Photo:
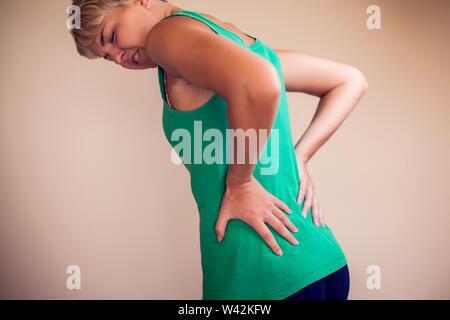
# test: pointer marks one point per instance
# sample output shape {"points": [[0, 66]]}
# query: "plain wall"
{"points": [[86, 177]]}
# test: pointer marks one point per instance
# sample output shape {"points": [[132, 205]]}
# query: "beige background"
{"points": [[86, 177]]}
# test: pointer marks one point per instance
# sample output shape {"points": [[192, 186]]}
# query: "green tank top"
{"points": [[243, 266]]}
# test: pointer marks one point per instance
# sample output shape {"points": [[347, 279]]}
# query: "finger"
{"points": [[281, 229], [282, 217], [280, 204], [301, 194], [322, 220], [315, 211], [221, 225], [307, 204], [267, 236], [319, 212]]}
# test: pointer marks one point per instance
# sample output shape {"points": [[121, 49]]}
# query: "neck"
{"points": [[162, 9]]}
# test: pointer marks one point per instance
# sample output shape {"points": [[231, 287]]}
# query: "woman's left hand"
{"points": [[307, 191]]}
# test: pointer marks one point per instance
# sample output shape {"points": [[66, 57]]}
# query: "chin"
{"points": [[148, 65]]}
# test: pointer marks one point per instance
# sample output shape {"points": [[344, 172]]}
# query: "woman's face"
{"points": [[121, 36]]}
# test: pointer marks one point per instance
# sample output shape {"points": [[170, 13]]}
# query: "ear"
{"points": [[146, 4]]}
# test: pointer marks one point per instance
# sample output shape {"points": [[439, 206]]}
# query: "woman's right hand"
{"points": [[254, 205]]}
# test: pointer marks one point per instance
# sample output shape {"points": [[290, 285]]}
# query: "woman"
{"points": [[213, 76]]}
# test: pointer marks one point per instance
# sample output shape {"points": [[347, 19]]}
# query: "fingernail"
{"points": [[219, 238], [295, 229], [279, 252], [295, 242]]}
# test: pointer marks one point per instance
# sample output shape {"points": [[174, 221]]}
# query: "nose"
{"points": [[117, 55]]}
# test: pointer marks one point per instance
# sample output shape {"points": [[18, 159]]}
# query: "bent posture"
{"points": [[262, 236]]}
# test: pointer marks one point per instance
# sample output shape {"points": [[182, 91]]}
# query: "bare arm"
{"points": [[339, 86], [249, 83], [251, 86]]}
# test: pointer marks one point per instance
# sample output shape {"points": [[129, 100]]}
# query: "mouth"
{"points": [[136, 58]]}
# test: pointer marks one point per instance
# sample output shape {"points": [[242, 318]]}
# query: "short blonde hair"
{"points": [[92, 15]]}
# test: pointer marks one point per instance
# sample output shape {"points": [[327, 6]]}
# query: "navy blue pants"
{"points": [[335, 286]]}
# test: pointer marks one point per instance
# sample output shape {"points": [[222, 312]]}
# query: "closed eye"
{"points": [[113, 39]]}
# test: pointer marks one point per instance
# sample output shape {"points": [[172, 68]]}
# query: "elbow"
{"points": [[364, 84], [356, 77], [267, 94], [265, 100]]}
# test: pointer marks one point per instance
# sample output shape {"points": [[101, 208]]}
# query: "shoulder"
{"points": [[169, 35], [191, 50], [173, 38], [175, 25]]}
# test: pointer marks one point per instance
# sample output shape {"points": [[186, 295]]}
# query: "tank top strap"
{"points": [[217, 29], [214, 26]]}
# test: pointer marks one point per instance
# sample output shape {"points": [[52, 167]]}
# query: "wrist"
{"points": [[233, 180], [302, 158]]}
